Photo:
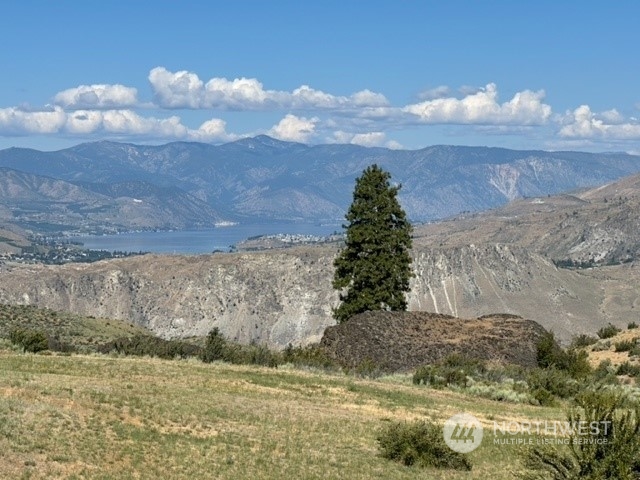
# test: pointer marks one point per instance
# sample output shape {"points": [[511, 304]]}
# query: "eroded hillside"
{"points": [[285, 296], [504, 261]]}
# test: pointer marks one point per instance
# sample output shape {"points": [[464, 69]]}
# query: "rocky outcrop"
{"points": [[403, 341]]}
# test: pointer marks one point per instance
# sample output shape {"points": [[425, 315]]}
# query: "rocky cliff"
{"points": [[285, 296]]}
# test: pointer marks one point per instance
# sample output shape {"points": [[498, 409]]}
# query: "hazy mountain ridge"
{"points": [[262, 179], [593, 227], [36, 200]]}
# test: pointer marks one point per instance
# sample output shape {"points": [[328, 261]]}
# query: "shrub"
{"points": [[29, 340], [625, 345], [141, 345], [583, 340], [505, 392], [573, 361], [629, 369], [368, 368], [635, 351], [577, 364], [309, 356], [419, 443], [610, 453], [608, 331], [218, 348], [602, 346], [552, 381], [605, 373], [454, 370], [632, 325], [548, 351]]}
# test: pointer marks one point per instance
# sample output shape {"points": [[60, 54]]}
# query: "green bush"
{"points": [[552, 381], [141, 345], [454, 370], [29, 340], [548, 351], [629, 369], [573, 361], [608, 331], [635, 351], [610, 453], [583, 340], [632, 325], [218, 348], [310, 356], [419, 443], [368, 368], [625, 345], [605, 373]]}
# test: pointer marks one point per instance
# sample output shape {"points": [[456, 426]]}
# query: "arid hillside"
{"points": [[503, 261]]}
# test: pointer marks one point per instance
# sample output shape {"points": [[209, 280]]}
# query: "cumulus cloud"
{"points": [[214, 130], [117, 122], [294, 129], [368, 139], [14, 121], [97, 96], [82, 122], [177, 90], [610, 125], [482, 108], [185, 89], [371, 139]]}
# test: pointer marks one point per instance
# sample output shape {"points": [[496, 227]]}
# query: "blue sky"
{"points": [[547, 74]]}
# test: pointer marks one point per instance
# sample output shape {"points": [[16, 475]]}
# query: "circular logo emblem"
{"points": [[463, 433]]}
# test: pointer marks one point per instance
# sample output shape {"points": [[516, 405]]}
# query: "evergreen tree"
{"points": [[374, 268]]}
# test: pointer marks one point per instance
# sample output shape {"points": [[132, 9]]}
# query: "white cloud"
{"points": [[612, 116], [118, 123], [84, 121], [583, 123], [185, 90], [394, 145], [128, 122], [97, 96], [176, 90], [369, 139], [482, 108], [294, 129], [14, 121], [213, 130], [367, 98]]}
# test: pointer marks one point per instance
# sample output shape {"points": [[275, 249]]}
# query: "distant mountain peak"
{"points": [[264, 141]]}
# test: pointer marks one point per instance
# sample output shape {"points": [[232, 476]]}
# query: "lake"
{"points": [[197, 241]]}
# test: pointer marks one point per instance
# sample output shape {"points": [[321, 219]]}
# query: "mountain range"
{"points": [[107, 186]]}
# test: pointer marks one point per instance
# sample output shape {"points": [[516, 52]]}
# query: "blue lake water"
{"points": [[197, 241]]}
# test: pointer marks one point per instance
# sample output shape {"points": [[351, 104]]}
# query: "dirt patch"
{"points": [[403, 341]]}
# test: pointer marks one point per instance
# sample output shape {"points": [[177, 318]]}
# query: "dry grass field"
{"points": [[106, 417]]}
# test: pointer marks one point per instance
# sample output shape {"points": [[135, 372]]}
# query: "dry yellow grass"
{"points": [[597, 354], [101, 417]]}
